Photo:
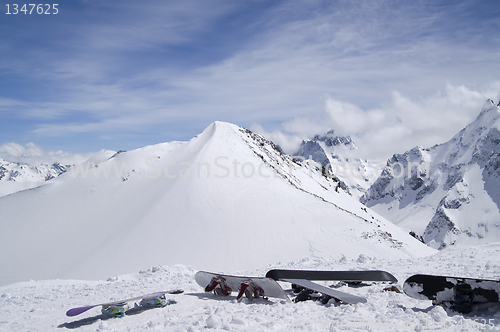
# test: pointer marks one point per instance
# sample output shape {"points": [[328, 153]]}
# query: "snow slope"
{"points": [[41, 305], [456, 197], [226, 200]]}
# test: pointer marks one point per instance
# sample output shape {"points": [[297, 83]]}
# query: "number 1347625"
{"points": [[31, 8]]}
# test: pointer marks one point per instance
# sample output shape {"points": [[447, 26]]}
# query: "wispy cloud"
{"points": [[112, 69], [35, 155], [400, 124]]}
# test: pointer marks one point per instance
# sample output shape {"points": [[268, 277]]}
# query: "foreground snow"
{"points": [[41, 305]]}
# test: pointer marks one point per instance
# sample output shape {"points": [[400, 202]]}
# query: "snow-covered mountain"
{"points": [[15, 176], [456, 196], [333, 153], [226, 200], [10, 171], [322, 148]]}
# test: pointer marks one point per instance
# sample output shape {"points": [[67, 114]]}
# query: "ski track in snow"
{"points": [[41, 305]]}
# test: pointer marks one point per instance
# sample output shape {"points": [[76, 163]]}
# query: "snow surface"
{"points": [[10, 187], [41, 305]]}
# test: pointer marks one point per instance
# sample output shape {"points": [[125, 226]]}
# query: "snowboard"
{"points": [[347, 276], [251, 287], [330, 293], [76, 311], [460, 293]]}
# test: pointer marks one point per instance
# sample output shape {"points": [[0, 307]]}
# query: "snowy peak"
{"points": [[228, 199], [332, 140], [489, 105], [334, 154], [101, 156], [448, 193], [490, 115], [321, 148]]}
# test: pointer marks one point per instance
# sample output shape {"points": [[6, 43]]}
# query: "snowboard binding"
{"points": [[250, 290], [463, 298], [157, 302], [219, 286], [304, 294], [115, 310]]}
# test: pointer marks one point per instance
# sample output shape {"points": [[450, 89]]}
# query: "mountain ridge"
{"points": [[456, 198]]}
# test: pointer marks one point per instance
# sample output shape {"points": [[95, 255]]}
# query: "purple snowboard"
{"points": [[79, 310]]}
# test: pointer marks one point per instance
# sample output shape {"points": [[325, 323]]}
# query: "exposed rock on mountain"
{"points": [[333, 153], [450, 192]]}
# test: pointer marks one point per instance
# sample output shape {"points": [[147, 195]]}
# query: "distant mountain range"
{"points": [[231, 199], [456, 196], [16, 176], [10, 171], [446, 194]]}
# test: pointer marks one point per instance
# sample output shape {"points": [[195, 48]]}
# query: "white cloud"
{"points": [[346, 117], [288, 142], [400, 124], [125, 75], [35, 155]]}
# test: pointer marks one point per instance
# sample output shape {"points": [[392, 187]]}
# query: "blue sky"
{"points": [[125, 74]]}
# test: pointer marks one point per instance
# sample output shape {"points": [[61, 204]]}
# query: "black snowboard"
{"points": [[461, 293], [347, 276]]}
